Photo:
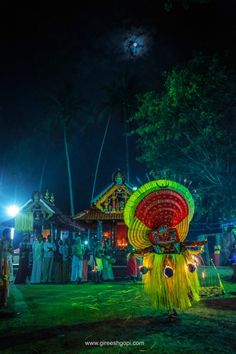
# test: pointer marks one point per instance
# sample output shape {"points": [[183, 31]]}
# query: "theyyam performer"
{"points": [[158, 215]]}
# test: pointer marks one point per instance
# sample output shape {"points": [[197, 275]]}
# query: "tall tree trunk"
{"points": [[99, 156], [126, 146], [72, 210], [43, 172]]}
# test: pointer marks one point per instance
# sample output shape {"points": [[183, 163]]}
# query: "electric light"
{"points": [[12, 210], [12, 233]]}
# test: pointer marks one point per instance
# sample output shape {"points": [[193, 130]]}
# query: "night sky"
{"points": [[42, 47]]}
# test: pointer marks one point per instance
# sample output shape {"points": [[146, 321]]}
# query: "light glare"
{"points": [[12, 233], [13, 210]]}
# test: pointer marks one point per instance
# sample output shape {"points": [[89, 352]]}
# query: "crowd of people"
{"points": [[6, 268], [61, 261]]}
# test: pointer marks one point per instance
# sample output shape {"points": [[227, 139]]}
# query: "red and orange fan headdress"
{"points": [[158, 213]]}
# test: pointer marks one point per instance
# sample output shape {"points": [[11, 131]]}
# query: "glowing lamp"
{"points": [[12, 210], [86, 242], [12, 233]]}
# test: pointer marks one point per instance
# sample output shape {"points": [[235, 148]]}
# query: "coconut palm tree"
{"points": [[100, 154], [65, 108], [120, 99]]}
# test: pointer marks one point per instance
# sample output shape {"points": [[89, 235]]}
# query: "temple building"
{"points": [[40, 215], [104, 218]]}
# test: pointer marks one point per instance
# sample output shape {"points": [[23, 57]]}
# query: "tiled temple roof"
{"points": [[94, 213], [54, 214]]}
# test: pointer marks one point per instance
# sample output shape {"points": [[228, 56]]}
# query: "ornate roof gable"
{"points": [[114, 197]]}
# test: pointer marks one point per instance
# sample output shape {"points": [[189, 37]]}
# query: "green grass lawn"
{"points": [[60, 318]]}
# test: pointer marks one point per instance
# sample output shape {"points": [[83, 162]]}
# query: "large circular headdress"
{"points": [[159, 211]]}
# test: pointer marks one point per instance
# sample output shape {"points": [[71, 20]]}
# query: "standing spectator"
{"points": [[226, 246], [48, 257], [77, 261], [64, 251], [23, 270], [98, 255], [70, 243], [6, 252], [139, 266], [232, 256], [57, 261], [30, 257], [91, 265], [86, 258], [107, 260], [37, 249], [132, 267]]}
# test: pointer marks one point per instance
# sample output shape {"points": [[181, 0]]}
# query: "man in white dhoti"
{"points": [[107, 261], [49, 248], [77, 261], [37, 249]]}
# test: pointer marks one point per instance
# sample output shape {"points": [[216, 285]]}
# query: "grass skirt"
{"points": [[176, 292]]}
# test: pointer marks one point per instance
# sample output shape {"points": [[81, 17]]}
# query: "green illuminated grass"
{"points": [[60, 318]]}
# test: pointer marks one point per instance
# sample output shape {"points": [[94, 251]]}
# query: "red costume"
{"points": [[132, 266]]}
